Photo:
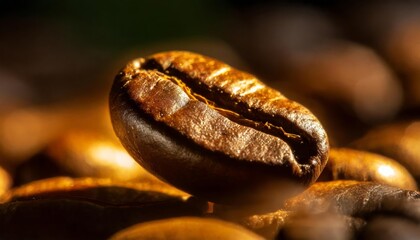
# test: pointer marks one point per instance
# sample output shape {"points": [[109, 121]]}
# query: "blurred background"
{"points": [[355, 64]]}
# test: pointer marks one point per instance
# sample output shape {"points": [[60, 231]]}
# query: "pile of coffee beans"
{"points": [[211, 152], [207, 151]]}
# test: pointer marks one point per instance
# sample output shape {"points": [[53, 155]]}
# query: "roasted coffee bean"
{"points": [[81, 153], [214, 131], [350, 198], [85, 153], [392, 28], [350, 164], [63, 185], [186, 228], [300, 47], [352, 204], [26, 131], [65, 208], [399, 141], [352, 76]]}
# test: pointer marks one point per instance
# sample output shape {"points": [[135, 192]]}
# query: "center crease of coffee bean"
{"points": [[265, 127]]}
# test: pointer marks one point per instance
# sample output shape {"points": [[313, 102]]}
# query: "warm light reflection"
{"points": [[386, 171], [107, 154]]}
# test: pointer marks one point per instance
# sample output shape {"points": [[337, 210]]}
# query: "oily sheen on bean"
{"points": [[214, 131]]}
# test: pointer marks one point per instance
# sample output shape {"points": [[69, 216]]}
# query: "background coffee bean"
{"points": [[398, 141], [64, 186], [81, 153], [227, 134], [86, 153], [351, 198], [350, 164], [349, 205], [301, 47], [186, 228], [65, 208], [392, 28]]}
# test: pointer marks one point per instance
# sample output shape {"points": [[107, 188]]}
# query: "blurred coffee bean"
{"points": [[65, 185], [345, 208], [25, 131], [85, 153], [399, 141], [186, 228], [81, 153], [65, 208], [350, 164], [393, 29], [348, 197], [301, 47], [277, 36], [350, 75]]}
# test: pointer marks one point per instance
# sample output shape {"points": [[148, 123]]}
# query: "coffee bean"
{"points": [[351, 198], [186, 228], [350, 164], [214, 131], [66, 208], [84, 153], [65, 186], [392, 29], [345, 207], [398, 141], [81, 153]]}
